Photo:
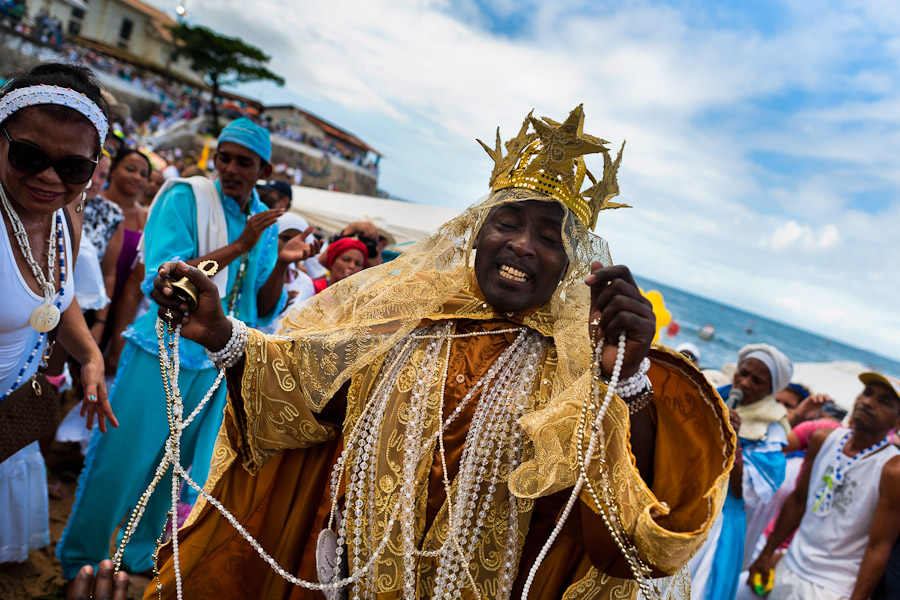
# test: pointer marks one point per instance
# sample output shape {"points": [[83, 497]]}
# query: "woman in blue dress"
{"points": [[762, 427]]}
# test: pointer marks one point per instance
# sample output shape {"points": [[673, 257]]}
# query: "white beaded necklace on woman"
{"points": [[46, 316]]}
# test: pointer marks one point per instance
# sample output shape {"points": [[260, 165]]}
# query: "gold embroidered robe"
{"points": [[287, 449]]}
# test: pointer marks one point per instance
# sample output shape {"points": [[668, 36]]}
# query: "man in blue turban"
{"points": [[192, 220]]}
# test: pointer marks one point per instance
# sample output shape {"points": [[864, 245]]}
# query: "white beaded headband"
{"points": [[53, 94]]}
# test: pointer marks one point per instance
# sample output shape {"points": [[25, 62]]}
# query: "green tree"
{"points": [[222, 60]]}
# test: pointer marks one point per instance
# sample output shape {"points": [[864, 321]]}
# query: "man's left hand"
{"points": [[617, 306], [297, 249]]}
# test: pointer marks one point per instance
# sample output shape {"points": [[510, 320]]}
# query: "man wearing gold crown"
{"points": [[417, 430]]}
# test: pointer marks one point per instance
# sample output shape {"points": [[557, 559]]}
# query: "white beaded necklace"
{"points": [[495, 421], [606, 499], [170, 368], [493, 435], [46, 316], [17, 226]]}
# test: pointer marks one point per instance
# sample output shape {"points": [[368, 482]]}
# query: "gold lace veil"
{"points": [[352, 323]]}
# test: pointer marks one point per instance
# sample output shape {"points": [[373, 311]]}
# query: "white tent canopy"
{"points": [[332, 211]]}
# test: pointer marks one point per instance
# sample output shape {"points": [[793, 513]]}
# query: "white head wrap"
{"points": [[694, 350], [779, 365], [33, 95], [291, 220]]}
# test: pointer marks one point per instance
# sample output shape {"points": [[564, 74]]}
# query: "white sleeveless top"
{"points": [[17, 337], [828, 550]]}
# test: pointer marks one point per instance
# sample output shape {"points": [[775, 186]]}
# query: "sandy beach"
{"points": [[39, 578]]}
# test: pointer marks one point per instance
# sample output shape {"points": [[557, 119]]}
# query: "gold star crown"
{"points": [[550, 160]]}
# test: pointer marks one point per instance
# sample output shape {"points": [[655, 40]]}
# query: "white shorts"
{"points": [[790, 586]]}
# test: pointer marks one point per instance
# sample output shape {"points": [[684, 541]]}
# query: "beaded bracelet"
{"points": [[641, 402], [634, 385], [233, 351]]}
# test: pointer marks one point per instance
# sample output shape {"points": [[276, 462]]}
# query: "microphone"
{"points": [[734, 397]]}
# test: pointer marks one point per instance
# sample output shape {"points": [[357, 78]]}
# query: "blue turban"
{"points": [[248, 134]]}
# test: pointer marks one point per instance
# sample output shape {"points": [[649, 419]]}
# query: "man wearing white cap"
{"points": [[845, 504], [691, 351]]}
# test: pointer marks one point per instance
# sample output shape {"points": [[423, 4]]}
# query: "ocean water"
{"points": [[736, 328]]}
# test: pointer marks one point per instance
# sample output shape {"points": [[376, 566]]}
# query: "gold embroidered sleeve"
{"points": [[273, 413], [669, 521]]}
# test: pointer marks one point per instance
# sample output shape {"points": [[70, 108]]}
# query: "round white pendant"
{"points": [[45, 317]]}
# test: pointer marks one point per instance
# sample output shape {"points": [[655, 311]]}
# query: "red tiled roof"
{"points": [[332, 130]]}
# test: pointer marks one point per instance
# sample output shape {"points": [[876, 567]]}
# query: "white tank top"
{"points": [[17, 337], [828, 550]]}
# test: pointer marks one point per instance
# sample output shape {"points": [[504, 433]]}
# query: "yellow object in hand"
{"points": [[759, 588]]}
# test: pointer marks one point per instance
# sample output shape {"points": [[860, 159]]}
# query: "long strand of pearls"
{"points": [[606, 500], [494, 429], [493, 435], [411, 454], [583, 457]]}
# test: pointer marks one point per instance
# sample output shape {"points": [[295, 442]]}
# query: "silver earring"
{"points": [[80, 206]]}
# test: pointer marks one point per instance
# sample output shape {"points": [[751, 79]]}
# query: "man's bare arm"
{"points": [[883, 533], [791, 511]]}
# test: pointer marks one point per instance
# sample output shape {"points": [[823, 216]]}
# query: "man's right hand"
{"points": [[256, 225], [763, 565], [206, 324]]}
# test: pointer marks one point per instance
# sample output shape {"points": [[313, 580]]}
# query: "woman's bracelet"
{"points": [[233, 351]]}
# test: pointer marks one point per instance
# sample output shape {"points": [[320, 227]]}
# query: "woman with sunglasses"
{"points": [[51, 126]]}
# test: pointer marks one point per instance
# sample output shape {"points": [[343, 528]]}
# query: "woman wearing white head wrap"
{"points": [[299, 284], [762, 427], [780, 367]]}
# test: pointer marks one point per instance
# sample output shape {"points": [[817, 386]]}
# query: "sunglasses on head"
{"points": [[25, 158]]}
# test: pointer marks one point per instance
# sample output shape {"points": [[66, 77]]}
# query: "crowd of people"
{"points": [[442, 421], [780, 477], [328, 147]]}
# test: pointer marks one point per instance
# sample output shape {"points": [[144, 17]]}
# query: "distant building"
{"points": [[330, 157], [298, 120], [129, 30]]}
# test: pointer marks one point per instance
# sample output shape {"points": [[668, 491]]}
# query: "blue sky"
{"points": [[763, 137]]}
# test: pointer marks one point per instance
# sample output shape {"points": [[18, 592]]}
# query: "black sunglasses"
{"points": [[25, 158]]}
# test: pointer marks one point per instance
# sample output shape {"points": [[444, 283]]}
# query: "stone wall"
{"points": [[320, 171]]}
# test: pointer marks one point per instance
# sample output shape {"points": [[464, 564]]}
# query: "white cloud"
{"points": [[792, 235], [698, 102]]}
